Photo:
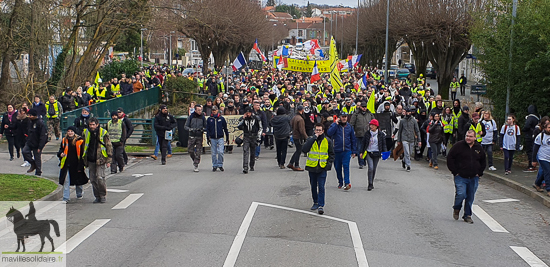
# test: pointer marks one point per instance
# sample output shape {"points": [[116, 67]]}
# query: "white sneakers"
{"points": [[196, 169], [25, 164], [492, 168]]}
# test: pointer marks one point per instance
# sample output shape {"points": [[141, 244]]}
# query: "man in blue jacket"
{"points": [[343, 136], [216, 126]]}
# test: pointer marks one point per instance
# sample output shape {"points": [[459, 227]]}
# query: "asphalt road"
{"points": [[192, 219]]}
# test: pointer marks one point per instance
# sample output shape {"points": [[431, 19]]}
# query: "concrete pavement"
{"points": [[192, 219]]}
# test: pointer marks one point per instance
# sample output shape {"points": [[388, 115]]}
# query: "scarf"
{"points": [[10, 114]]}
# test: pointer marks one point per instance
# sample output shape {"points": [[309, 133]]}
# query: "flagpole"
{"points": [[387, 42], [357, 31]]}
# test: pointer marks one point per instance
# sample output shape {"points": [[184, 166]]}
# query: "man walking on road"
{"points": [[216, 127], [36, 140], [463, 81], [117, 134], [251, 126], [98, 152], [360, 121], [320, 156], [129, 130], [196, 125], [466, 161], [299, 134], [343, 135], [54, 110], [408, 136]]}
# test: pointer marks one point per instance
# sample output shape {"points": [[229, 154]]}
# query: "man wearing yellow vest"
{"points": [[477, 127], [320, 156], [117, 134], [97, 155], [53, 112], [454, 88]]}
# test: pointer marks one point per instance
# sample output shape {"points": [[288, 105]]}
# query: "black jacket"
{"points": [[281, 126], [463, 121], [12, 125], [530, 122], [331, 155], [126, 88], [164, 123], [466, 161], [251, 127], [81, 123], [381, 142], [38, 135], [436, 132], [40, 109], [128, 125], [195, 124]]}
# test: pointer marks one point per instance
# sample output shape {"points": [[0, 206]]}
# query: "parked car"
{"points": [[190, 71], [402, 74], [431, 73], [411, 67]]}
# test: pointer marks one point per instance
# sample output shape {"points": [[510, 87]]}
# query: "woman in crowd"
{"points": [[22, 130], [9, 129], [435, 128], [509, 142], [70, 154], [447, 120], [374, 143], [490, 137]]}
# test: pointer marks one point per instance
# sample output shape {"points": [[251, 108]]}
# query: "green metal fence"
{"points": [[130, 103]]}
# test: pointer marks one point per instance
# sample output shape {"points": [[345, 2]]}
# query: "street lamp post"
{"points": [[514, 11], [141, 48], [324, 32], [357, 31], [170, 50], [387, 42]]}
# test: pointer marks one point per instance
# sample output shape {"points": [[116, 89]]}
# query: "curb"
{"points": [[55, 195], [519, 187]]}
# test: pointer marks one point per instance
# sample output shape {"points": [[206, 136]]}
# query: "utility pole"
{"points": [[324, 32], [387, 42], [141, 48], [514, 12]]}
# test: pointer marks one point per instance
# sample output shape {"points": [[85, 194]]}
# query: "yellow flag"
{"points": [[335, 79], [97, 79], [370, 104]]}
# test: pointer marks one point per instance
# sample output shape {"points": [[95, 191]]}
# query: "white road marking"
{"points": [[137, 175], [77, 239], [501, 200], [125, 203], [488, 220], [116, 190], [528, 256], [241, 234]]}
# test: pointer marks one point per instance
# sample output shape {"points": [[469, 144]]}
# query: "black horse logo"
{"points": [[28, 227]]}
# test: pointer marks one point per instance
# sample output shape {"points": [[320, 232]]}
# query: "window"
{"points": [[300, 33]]}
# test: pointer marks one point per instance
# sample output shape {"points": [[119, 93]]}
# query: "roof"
{"points": [[311, 20], [280, 15]]}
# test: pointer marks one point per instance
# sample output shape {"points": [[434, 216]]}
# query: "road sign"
{"points": [[478, 89]]}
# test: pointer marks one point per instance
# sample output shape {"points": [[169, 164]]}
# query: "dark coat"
{"points": [[436, 132], [195, 124], [73, 165], [381, 142], [12, 125], [466, 161], [463, 121], [331, 155], [164, 123], [530, 122], [216, 127], [40, 109], [281, 126], [81, 123], [22, 132], [38, 135]]}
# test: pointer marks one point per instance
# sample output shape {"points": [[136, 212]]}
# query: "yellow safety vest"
{"points": [[448, 126], [101, 95], [91, 91], [477, 129], [115, 130], [116, 90], [350, 111], [455, 118], [55, 107], [318, 155], [86, 134], [454, 86]]}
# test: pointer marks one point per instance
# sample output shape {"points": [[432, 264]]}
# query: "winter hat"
{"points": [[72, 128], [114, 113], [32, 112], [374, 122], [281, 111], [86, 108], [466, 108]]}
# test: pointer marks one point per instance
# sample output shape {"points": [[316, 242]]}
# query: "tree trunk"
{"points": [[445, 58], [8, 56]]}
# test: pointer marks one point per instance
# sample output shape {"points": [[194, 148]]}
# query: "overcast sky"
{"points": [[350, 3]]}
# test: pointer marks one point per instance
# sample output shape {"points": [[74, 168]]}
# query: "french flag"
{"points": [[354, 60], [364, 81], [239, 62], [315, 76], [259, 51]]}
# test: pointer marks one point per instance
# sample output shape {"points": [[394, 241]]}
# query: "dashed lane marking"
{"points": [[501, 200], [488, 220], [116, 190], [77, 239], [125, 203], [528, 256]]}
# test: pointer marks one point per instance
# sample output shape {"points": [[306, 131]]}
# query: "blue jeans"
{"points": [[317, 182], [489, 150], [342, 159], [67, 189], [543, 174], [217, 149], [465, 190], [359, 143], [157, 148]]}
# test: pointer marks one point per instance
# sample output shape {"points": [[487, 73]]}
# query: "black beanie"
{"points": [[281, 111]]}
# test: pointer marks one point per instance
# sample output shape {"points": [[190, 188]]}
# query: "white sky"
{"points": [[349, 3]]}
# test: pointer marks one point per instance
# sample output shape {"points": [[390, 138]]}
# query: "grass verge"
{"points": [[16, 187]]}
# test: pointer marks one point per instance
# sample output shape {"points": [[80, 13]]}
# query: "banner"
{"points": [[300, 65], [232, 123]]}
